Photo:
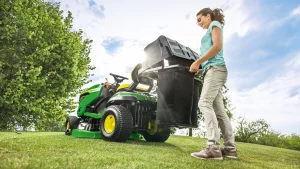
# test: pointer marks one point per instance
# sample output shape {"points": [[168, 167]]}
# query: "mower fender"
{"points": [[119, 99]]}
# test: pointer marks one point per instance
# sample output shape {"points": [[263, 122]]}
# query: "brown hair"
{"points": [[216, 14]]}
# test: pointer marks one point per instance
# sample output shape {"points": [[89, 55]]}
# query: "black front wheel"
{"points": [[72, 123], [116, 124]]}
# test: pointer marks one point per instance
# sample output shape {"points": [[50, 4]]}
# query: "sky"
{"points": [[261, 47]]}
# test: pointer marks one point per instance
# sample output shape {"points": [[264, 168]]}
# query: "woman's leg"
{"points": [[214, 79], [224, 122]]}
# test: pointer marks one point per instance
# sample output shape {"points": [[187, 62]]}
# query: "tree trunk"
{"points": [[191, 131]]}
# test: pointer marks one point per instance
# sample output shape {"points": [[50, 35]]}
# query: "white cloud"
{"points": [[238, 18], [296, 11], [126, 57], [259, 54], [294, 62], [270, 25], [276, 100], [146, 21]]}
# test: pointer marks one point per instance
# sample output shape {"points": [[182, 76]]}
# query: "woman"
{"points": [[215, 76]]}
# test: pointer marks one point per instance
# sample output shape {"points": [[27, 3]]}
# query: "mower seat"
{"points": [[126, 85], [139, 83]]}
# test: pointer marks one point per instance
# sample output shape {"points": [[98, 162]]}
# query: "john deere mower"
{"points": [[118, 112]]}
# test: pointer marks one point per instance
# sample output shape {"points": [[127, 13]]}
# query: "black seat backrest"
{"points": [[134, 72], [136, 79]]}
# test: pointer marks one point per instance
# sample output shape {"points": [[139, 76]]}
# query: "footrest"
{"points": [[96, 134], [86, 134]]}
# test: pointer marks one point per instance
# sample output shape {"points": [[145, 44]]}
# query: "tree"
{"points": [[245, 130], [227, 102], [43, 63], [173, 130]]}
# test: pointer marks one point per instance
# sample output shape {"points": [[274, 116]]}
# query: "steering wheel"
{"points": [[118, 78]]}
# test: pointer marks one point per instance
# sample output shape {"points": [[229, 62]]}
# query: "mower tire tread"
{"points": [[74, 122], [161, 135], [124, 124]]}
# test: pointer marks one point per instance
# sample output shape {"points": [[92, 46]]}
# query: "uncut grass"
{"points": [[55, 150]]}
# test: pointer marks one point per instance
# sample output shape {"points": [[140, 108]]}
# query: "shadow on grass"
{"points": [[141, 142], [146, 143]]}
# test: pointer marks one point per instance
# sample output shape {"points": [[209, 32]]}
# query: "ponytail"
{"points": [[216, 14]]}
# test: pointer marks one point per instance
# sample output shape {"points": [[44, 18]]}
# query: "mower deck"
{"points": [[79, 133]]}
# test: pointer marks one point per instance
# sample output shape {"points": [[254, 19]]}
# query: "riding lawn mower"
{"points": [[118, 112]]}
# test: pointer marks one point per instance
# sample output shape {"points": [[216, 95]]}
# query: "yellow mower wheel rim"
{"points": [[109, 124], [153, 128], [68, 125]]}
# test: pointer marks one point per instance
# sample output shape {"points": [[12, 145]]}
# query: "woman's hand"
{"points": [[199, 71], [194, 67]]}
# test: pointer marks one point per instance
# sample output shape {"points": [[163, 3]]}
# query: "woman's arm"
{"points": [[217, 46]]}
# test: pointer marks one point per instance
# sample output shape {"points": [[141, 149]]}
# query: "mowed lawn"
{"points": [[55, 150]]}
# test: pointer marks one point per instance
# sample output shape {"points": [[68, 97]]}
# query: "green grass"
{"points": [[55, 150]]}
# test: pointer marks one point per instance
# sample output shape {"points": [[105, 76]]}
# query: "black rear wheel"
{"points": [[116, 124], [157, 133]]}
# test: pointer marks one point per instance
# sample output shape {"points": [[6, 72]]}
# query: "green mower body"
{"points": [[118, 112]]}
